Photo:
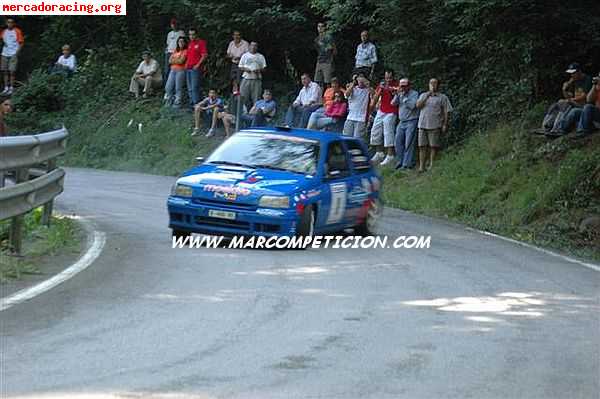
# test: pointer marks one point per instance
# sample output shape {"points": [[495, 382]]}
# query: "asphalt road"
{"points": [[471, 317]]}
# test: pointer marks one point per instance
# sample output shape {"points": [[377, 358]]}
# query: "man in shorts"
{"points": [[433, 121], [13, 40]]}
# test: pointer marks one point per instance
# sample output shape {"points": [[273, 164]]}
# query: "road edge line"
{"points": [[95, 243]]}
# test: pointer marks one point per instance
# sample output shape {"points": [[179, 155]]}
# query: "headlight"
{"points": [[182, 190], [272, 201]]}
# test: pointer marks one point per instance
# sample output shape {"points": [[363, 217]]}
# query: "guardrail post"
{"points": [[16, 227], [47, 215]]}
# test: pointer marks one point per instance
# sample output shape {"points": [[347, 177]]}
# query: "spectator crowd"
{"points": [[391, 114]]}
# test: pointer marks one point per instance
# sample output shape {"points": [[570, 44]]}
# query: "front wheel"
{"points": [[370, 225], [306, 225]]}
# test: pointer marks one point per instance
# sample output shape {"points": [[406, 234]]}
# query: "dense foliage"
{"points": [[496, 57]]}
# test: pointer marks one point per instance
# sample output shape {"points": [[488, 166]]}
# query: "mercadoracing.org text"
{"points": [[296, 242], [63, 7]]}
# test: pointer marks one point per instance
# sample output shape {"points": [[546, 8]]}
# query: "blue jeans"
{"points": [[569, 121], [192, 77], [589, 115], [175, 85], [254, 120], [298, 116], [406, 133]]}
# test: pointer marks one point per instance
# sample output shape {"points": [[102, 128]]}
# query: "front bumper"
{"points": [[185, 214]]}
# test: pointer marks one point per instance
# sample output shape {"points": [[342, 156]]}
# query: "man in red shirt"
{"points": [[196, 54], [384, 125]]}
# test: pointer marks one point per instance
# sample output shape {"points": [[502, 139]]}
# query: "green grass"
{"points": [[511, 183], [62, 236]]}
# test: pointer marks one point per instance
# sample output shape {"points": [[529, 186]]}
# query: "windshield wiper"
{"points": [[264, 166], [232, 164]]}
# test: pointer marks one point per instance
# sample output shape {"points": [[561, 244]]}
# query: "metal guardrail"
{"points": [[24, 155]]}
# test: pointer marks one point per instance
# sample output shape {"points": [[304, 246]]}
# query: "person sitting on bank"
{"points": [[563, 115], [208, 109], [66, 63], [327, 101], [334, 114], [262, 112], [308, 100], [590, 115], [146, 76]]}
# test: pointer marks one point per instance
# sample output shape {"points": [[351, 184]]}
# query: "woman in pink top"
{"points": [[335, 112]]}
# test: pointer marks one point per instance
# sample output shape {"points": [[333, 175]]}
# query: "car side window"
{"points": [[337, 162], [358, 157]]}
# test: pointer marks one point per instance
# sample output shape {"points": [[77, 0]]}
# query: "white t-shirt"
{"points": [[70, 62], [358, 103], [148, 69], [11, 45], [172, 37], [254, 62]]}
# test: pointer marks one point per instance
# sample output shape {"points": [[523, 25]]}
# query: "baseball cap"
{"points": [[573, 67]]}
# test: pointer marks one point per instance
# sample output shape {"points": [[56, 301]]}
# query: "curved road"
{"points": [[471, 317]]}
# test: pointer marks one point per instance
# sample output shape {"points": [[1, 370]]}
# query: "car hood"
{"points": [[247, 185]]}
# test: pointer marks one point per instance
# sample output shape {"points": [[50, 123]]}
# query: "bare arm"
{"points": [[593, 94], [422, 101]]}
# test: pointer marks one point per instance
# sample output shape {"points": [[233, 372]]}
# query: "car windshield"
{"points": [[271, 151]]}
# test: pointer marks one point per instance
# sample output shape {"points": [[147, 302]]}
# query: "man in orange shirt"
{"points": [[13, 40]]}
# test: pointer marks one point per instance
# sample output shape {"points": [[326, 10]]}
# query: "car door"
{"points": [[359, 181], [337, 181]]}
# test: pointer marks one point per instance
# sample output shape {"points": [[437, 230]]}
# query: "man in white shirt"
{"points": [[358, 94], [366, 56], [13, 39], [66, 63], [308, 100], [147, 75], [171, 42], [237, 47], [252, 64]]}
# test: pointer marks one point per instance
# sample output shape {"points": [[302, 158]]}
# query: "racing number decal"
{"points": [[338, 202]]}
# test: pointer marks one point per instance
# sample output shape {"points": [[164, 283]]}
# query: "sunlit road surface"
{"points": [[471, 317]]}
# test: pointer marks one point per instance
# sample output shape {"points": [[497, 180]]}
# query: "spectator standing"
{"points": [[176, 80], [408, 116], [237, 47], [209, 110], [384, 124], [308, 100], [5, 109], [334, 114], [328, 98], [147, 75], [358, 94], [263, 111], [366, 56], [13, 40], [66, 63], [252, 64], [326, 51], [590, 116], [433, 121], [172, 38], [196, 54]]}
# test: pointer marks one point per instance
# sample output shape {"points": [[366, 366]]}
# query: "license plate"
{"points": [[221, 214]]}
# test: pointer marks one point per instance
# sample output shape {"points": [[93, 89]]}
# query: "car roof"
{"points": [[323, 137]]}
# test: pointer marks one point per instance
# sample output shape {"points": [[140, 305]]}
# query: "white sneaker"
{"points": [[210, 133], [9, 91], [378, 157], [195, 132], [387, 161], [4, 92]]}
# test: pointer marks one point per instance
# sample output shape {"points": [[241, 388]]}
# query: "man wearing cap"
{"points": [[590, 116], [147, 75], [408, 115], [563, 115], [172, 37]]}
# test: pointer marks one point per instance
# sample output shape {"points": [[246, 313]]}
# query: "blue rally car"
{"points": [[277, 182]]}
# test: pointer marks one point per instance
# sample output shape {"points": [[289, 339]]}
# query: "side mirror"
{"points": [[199, 160]]}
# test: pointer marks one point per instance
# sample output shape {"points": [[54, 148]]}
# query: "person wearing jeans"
{"points": [[176, 79], [308, 100], [590, 115], [196, 54], [406, 131]]}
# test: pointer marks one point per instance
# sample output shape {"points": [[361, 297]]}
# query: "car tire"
{"points": [[371, 222], [306, 225], [175, 233]]}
